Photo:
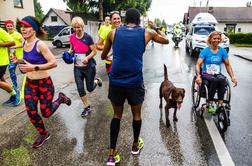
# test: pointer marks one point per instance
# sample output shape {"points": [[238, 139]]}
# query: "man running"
{"points": [[126, 76], [5, 42]]}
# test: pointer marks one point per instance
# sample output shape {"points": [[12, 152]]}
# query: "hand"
{"points": [[152, 25], [85, 61], [198, 80], [234, 81], [13, 59], [27, 67]]}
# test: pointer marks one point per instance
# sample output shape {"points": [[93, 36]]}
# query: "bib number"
{"points": [[79, 59], [213, 69]]}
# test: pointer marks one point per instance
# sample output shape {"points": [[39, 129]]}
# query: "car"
{"points": [[62, 38], [202, 25]]}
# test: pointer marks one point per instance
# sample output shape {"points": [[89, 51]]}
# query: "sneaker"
{"points": [[111, 160], [17, 100], [65, 99], [136, 149], [85, 111], [40, 140], [10, 101], [117, 158], [99, 82], [211, 109]]}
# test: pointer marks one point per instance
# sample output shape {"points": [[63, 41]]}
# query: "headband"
{"points": [[8, 22], [29, 22]]}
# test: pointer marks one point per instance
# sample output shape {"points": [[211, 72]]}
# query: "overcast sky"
{"points": [[170, 10]]}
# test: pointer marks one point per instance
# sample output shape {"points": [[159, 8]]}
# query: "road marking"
{"points": [[220, 147]]}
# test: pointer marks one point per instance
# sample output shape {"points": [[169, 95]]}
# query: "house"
{"points": [[231, 19], [13, 9], [57, 17], [55, 20]]}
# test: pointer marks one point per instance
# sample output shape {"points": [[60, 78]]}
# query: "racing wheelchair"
{"points": [[201, 91]]}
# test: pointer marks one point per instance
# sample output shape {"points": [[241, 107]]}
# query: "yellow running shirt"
{"points": [[104, 33], [4, 55], [17, 37]]}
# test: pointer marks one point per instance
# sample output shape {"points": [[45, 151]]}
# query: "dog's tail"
{"points": [[165, 73]]}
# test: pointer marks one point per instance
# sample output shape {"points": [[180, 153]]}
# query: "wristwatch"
{"points": [[36, 68]]}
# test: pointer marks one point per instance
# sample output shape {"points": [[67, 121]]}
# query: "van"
{"points": [[62, 38], [202, 25]]}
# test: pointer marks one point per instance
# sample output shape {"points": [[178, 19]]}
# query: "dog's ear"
{"points": [[183, 91]]}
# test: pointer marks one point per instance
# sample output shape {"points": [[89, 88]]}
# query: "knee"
{"points": [[117, 116], [90, 89]]}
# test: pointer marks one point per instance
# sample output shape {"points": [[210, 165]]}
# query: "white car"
{"points": [[62, 38]]}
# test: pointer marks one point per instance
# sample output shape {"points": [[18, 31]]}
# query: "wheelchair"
{"points": [[201, 91]]}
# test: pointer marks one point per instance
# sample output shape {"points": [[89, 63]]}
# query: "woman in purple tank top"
{"points": [[36, 62]]}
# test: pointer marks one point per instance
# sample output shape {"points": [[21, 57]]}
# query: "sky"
{"points": [[170, 10]]}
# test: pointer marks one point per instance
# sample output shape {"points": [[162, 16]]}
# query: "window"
{"points": [[239, 29], [54, 18], [18, 3], [230, 28], [65, 32], [203, 30]]}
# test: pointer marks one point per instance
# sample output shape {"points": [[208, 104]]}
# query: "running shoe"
{"points": [[211, 109], [85, 111], [17, 100], [40, 140], [65, 99], [136, 149], [117, 158], [12, 100], [99, 82], [112, 160]]}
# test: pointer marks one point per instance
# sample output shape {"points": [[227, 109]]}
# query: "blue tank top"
{"points": [[128, 49], [33, 56]]}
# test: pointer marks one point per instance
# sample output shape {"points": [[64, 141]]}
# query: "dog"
{"points": [[173, 96]]}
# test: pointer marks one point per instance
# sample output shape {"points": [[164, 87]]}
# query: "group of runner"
{"points": [[122, 48]]}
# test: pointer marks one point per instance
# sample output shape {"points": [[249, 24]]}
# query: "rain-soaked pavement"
{"points": [[78, 141]]}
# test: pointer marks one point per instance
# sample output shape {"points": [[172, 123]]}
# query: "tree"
{"points": [[104, 7], [157, 21], [38, 11]]}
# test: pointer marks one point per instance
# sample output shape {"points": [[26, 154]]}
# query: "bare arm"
{"points": [[70, 51], [158, 37], [91, 55], [7, 44], [230, 71], [197, 68], [100, 45], [108, 45]]}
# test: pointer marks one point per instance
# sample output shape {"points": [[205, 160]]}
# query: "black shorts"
{"points": [[134, 95], [2, 71]]}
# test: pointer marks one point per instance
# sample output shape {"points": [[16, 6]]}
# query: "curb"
{"points": [[243, 57]]}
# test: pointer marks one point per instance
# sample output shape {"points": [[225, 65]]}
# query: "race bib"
{"points": [[213, 69], [78, 59]]}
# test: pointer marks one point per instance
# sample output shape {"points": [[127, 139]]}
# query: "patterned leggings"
{"points": [[40, 90]]}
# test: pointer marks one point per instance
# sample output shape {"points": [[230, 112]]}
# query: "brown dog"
{"points": [[172, 95]]}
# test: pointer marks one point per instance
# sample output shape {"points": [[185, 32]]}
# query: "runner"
{"points": [[84, 64], [5, 42], [116, 22], [106, 25], [16, 50], [126, 77], [36, 62]]}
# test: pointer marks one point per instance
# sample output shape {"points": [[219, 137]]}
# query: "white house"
{"points": [[230, 19], [13, 9], [56, 17]]}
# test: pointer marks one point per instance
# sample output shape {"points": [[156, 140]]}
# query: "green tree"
{"points": [[38, 11]]}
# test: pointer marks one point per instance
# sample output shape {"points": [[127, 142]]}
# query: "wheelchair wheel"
{"points": [[228, 91], [195, 93], [223, 121]]}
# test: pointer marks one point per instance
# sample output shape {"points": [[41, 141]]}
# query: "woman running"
{"points": [[84, 64], [37, 60]]}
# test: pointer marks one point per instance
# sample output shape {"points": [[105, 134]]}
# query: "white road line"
{"points": [[220, 147]]}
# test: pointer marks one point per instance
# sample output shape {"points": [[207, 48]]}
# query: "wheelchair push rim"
{"points": [[222, 120], [195, 90]]}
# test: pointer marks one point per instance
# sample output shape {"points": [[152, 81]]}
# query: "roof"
{"points": [[224, 14], [65, 16]]}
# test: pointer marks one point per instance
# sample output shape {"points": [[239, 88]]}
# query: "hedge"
{"points": [[240, 38]]}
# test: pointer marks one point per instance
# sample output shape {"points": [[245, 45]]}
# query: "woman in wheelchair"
{"points": [[208, 68]]}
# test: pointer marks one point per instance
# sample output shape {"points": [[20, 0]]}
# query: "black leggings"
{"points": [[40, 90], [89, 75], [215, 82]]}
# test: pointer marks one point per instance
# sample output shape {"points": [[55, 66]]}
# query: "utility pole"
{"points": [[207, 3]]}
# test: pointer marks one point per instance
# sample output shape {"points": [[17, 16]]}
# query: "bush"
{"points": [[240, 38]]}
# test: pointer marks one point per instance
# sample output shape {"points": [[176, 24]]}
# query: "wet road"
{"points": [[78, 141]]}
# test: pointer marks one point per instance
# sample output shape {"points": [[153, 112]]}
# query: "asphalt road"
{"points": [[78, 141]]}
